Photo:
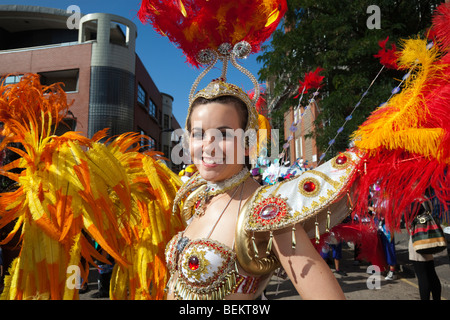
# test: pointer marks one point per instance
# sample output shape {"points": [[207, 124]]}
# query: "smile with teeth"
{"points": [[213, 160]]}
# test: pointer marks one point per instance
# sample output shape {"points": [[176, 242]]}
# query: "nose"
{"points": [[208, 137], [208, 144]]}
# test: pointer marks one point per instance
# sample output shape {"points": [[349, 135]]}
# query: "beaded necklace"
{"points": [[213, 189]]}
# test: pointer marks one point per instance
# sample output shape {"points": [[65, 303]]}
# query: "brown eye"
{"points": [[227, 134], [197, 134]]}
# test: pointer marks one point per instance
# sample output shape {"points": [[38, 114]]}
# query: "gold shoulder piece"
{"points": [[245, 249], [317, 199], [318, 195]]}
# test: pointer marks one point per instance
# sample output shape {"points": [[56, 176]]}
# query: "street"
{"points": [[356, 285]]}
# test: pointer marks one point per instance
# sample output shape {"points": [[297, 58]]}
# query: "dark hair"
{"points": [[240, 106]]}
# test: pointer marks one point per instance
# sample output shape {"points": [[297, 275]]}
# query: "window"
{"points": [[166, 121], [298, 148], [68, 77], [118, 34], [142, 141], [151, 108], [146, 142], [151, 143], [142, 96], [12, 79], [68, 124]]}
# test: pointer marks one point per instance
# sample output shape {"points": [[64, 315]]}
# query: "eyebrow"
{"points": [[219, 128], [224, 128]]}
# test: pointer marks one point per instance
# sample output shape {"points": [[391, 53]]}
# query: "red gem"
{"points": [[309, 186], [194, 263], [341, 159]]}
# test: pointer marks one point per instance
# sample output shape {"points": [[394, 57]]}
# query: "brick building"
{"points": [[103, 76], [298, 123]]}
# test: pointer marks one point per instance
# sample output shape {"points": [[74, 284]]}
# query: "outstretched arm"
{"points": [[307, 270]]}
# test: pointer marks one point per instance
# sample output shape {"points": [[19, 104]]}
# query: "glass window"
{"points": [[142, 96], [142, 141], [68, 77], [146, 142], [151, 108], [12, 79], [151, 143], [166, 121]]}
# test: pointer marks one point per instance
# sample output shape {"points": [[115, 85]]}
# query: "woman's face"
{"points": [[216, 142]]}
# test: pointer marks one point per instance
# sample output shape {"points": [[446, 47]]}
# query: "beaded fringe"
{"points": [[185, 291]]}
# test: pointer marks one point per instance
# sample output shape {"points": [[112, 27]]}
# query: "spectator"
{"points": [[256, 174], [423, 264], [388, 242]]}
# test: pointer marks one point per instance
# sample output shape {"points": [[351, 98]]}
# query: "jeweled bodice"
{"points": [[206, 269]]}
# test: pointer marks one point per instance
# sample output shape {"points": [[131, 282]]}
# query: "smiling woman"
{"points": [[238, 232]]}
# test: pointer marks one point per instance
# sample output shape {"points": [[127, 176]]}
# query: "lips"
{"points": [[207, 161]]}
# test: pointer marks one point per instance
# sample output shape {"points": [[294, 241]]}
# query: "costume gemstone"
{"points": [[309, 186]]}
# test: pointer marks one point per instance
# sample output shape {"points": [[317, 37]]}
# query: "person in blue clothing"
{"points": [[335, 247], [377, 205], [337, 257], [388, 241]]}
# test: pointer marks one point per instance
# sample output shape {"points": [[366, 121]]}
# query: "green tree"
{"points": [[338, 36]]}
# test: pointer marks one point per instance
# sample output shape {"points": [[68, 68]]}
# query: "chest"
{"points": [[205, 268]]}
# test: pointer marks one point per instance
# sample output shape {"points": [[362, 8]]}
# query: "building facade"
{"points": [[106, 82], [299, 122]]}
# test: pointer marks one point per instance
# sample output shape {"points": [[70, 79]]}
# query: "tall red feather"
{"points": [[388, 57], [441, 25], [312, 80]]}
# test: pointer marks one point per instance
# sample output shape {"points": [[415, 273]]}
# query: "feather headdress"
{"points": [[195, 25], [211, 30]]}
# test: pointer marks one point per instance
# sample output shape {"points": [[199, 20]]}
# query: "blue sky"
{"points": [[164, 62]]}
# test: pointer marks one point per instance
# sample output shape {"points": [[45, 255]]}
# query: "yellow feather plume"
{"points": [[398, 124]]}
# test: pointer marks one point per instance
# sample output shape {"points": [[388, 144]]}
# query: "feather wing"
{"points": [[69, 184]]}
